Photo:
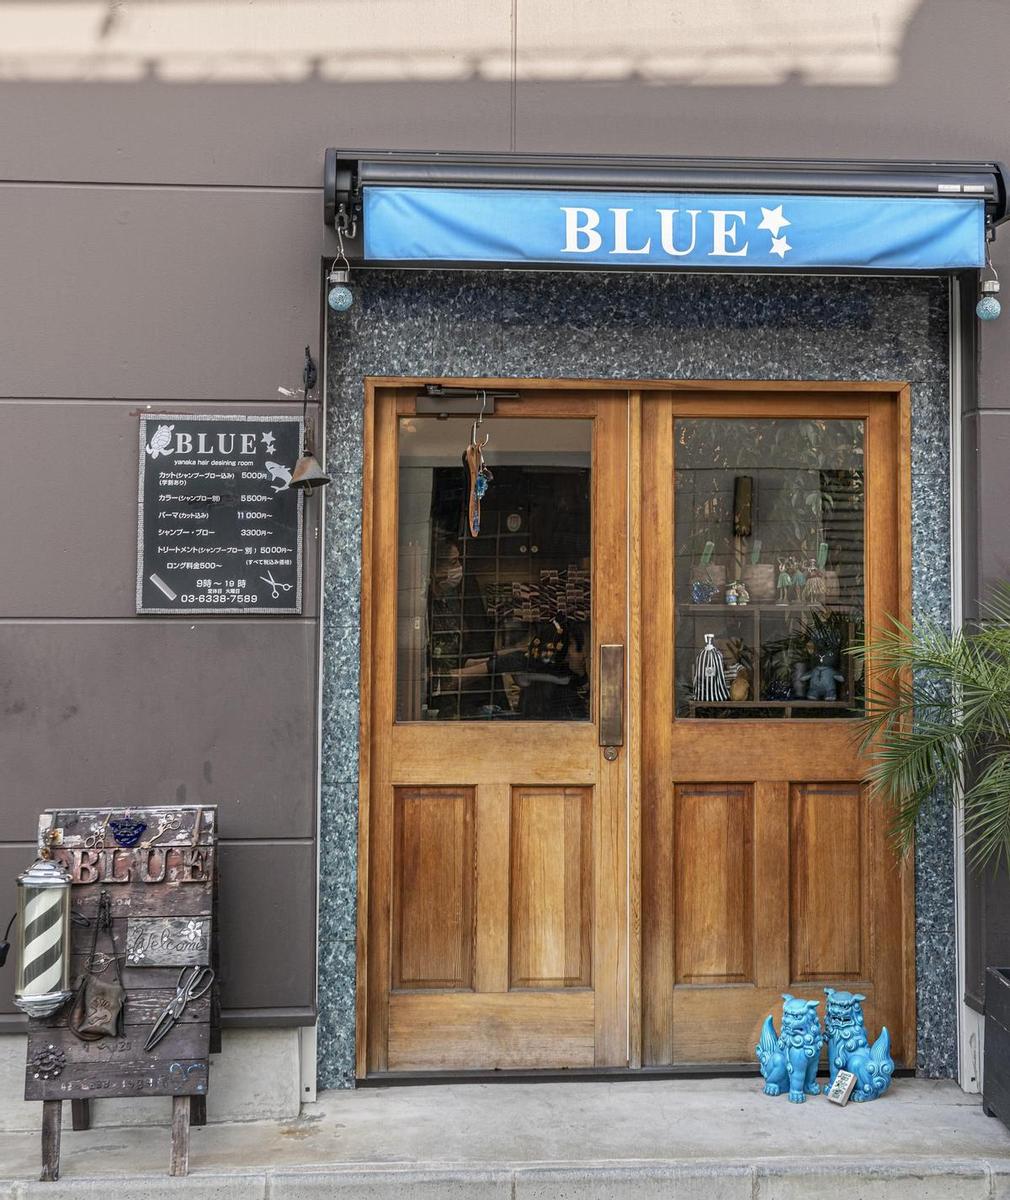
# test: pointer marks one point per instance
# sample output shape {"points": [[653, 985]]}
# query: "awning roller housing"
{"points": [[414, 191]]}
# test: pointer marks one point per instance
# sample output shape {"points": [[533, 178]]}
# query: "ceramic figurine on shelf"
{"points": [[823, 676], [849, 1048], [732, 595], [710, 673], [784, 582], [799, 579], [742, 595], [738, 659], [814, 590], [789, 1062]]}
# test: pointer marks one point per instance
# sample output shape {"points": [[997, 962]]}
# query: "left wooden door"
{"points": [[494, 828]]}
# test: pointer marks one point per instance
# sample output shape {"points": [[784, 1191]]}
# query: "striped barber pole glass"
{"points": [[43, 938]]}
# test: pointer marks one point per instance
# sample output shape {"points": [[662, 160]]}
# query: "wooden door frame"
{"points": [[636, 390]]}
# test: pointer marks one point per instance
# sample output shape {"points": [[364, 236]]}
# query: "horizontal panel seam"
{"points": [[125, 185], [193, 619]]}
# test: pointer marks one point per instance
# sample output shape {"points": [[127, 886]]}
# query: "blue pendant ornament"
{"points": [[849, 1048], [126, 832], [788, 1061]]}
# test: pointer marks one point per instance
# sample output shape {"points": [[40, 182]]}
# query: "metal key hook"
{"points": [[478, 423]]}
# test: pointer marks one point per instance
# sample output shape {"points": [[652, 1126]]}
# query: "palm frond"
{"points": [[938, 703]]}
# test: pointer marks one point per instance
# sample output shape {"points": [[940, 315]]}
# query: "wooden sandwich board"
{"points": [[162, 899]]}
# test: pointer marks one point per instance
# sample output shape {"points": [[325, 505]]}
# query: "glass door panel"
{"points": [[769, 567]]}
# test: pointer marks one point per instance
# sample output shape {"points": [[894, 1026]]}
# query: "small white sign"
{"points": [[842, 1088]]}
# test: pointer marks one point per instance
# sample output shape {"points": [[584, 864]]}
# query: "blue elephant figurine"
{"points": [[849, 1048], [789, 1062]]}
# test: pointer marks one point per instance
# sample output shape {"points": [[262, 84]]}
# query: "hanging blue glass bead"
{"points": [[480, 487]]}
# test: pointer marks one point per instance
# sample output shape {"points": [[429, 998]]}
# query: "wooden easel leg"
{"points": [[80, 1114], [52, 1127], [180, 1136], [198, 1110]]}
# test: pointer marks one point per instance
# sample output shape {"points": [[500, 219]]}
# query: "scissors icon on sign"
{"points": [[277, 587]]}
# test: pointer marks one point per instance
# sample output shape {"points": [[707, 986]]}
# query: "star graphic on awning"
{"points": [[773, 220], [780, 246]]}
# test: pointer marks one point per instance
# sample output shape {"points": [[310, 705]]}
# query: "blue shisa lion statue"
{"points": [[789, 1060], [849, 1048]]}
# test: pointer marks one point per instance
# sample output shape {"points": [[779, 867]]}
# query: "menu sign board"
{"points": [[219, 530]]}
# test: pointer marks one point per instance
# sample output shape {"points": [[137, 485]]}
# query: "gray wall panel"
{"points": [[75, 555], [258, 135], [160, 712], [13, 860], [994, 528], [157, 294], [886, 86], [268, 924]]}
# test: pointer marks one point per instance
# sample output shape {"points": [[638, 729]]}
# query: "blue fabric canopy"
{"points": [[418, 225]]}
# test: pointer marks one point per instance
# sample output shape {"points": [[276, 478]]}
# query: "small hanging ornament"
{"points": [[478, 474], [989, 307]]}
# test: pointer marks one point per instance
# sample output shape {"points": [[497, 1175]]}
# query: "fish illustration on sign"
{"points": [[281, 473], [159, 444]]}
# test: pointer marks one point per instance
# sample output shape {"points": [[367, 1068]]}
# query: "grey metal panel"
{"points": [[268, 925], [994, 345], [250, 134], [157, 294], [923, 103], [994, 529], [164, 712], [13, 860], [69, 544]]}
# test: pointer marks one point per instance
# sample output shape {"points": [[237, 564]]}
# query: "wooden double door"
{"points": [[605, 822]]}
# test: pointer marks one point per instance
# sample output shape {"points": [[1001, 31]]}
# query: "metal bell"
{"points": [[308, 474]]}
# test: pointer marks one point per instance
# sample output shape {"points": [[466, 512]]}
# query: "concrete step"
{"points": [[643, 1139], [782, 1179]]}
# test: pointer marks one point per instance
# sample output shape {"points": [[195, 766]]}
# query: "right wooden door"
{"points": [[776, 532]]}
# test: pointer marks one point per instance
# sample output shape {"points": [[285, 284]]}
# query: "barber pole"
{"points": [[43, 942]]}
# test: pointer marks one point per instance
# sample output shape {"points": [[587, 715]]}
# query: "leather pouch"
{"points": [[98, 1009]]}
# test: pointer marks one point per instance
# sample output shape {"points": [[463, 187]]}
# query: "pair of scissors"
{"points": [[96, 839], [284, 587], [191, 988]]}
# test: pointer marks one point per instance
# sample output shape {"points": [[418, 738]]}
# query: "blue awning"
{"points": [[427, 225]]}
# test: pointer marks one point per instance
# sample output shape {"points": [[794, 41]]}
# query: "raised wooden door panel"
{"points": [[766, 868], [551, 888], [496, 922]]}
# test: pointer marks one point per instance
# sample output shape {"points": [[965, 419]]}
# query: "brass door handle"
{"points": [[611, 699]]}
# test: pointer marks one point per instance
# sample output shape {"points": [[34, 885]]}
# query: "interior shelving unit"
{"points": [[758, 612]]}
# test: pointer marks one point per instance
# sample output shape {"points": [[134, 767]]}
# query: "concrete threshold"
{"points": [[676, 1139]]}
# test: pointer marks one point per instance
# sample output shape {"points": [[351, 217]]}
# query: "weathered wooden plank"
{"points": [[52, 1128], [170, 899], [143, 1007], [78, 825], [180, 1136], [118, 868], [182, 1041], [178, 1077]]}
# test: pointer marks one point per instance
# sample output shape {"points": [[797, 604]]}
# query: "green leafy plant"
{"points": [[938, 719]]}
